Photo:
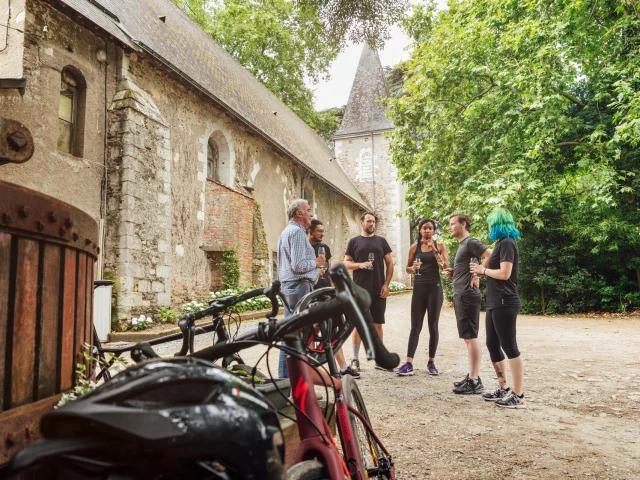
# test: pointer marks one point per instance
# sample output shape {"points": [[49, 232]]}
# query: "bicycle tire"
{"points": [[307, 470], [98, 368], [369, 449]]}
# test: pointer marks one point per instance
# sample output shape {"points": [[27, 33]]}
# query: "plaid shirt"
{"points": [[296, 257]]}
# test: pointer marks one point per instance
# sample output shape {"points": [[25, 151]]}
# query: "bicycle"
{"points": [[164, 434]]}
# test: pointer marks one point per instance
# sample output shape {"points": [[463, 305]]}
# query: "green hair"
{"points": [[502, 225]]}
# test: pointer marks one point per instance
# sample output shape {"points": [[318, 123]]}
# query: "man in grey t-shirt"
{"points": [[467, 298]]}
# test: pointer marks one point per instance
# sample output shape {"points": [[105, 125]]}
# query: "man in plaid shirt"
{"points": [[297, 262]]}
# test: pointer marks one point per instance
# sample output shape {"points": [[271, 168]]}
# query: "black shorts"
{"points": [[467, 308], [377, 309]]}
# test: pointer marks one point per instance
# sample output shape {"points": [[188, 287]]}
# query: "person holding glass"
{"points": [[367, 255], [503, 305], [315, 233], [426, 259]]}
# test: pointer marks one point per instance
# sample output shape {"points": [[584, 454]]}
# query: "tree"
{"points": [[283, 43], [533, 106]]}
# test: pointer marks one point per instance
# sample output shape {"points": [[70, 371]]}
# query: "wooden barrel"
{"points": [[47, 253]]}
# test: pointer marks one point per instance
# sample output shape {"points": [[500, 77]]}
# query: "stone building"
{"points": [[144, 122], [362, 149]]}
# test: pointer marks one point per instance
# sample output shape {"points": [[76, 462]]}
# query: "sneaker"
{"points": [[355, 364], [469, 388], [511, 401], [464, 380], [406, 370], [432, 368], [378, 367], [497, 394], [349, 371]]}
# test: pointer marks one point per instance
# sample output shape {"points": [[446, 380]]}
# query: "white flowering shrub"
{"points": [[84, 386], [396, 286], [257, 303], [141, 323]]}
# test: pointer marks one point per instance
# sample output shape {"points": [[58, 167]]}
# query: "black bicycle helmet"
{"points": [[163, 419]]}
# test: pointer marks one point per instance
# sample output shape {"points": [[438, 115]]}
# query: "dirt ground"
{"points": [[582, 385]]}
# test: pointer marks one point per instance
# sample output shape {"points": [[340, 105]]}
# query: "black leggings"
{"points": [[501, 333], [426, 298]]}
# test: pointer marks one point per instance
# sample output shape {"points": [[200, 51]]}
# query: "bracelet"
{"points": [[485, 271]]}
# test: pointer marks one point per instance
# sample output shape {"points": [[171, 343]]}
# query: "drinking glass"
{"points": [[419, 262], [475, 262], [372, 257], [321, 251]]}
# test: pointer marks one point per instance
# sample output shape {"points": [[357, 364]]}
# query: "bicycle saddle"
{"points": [[165, 419]]}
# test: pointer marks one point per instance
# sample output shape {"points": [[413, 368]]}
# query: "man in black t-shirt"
{"points": [[315, 233], [467, 299], [367, 255]]}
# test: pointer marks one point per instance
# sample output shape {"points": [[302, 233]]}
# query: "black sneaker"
{"points": [[497, 394], [355, 364], [464, 380], [511, 401], [469, 388], [349, 371]]}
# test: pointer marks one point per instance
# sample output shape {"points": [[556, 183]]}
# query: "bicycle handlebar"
{"points": [[350, 299]]}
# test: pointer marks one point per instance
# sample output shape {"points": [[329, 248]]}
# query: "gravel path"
{"points": [[582, 384]]}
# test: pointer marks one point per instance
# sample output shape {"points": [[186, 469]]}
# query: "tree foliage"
{"points": [[532, 105], [283, 42]]}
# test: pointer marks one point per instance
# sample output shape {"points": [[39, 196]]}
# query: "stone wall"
{"points": [[358, 155], [148, 131], [12, 42], [52, 42]]}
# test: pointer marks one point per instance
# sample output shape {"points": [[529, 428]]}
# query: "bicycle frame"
{"points": [[312, 445]]}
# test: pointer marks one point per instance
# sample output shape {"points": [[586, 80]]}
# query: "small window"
{"points": [[213, 157], [71, 113]]}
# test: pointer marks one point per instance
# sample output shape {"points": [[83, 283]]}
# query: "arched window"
{"points": [[71, 112], [219, 159], [213, 157]]}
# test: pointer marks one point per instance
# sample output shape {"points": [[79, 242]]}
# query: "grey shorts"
{"points": [[467, 308]]}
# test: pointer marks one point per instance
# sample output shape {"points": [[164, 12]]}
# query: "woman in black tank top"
{"points": [[426, 259]]}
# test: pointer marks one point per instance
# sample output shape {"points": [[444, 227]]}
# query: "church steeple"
{"points": [[365, 113]]}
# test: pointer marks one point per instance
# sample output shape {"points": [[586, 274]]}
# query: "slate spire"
{"points": [[364, 112]]}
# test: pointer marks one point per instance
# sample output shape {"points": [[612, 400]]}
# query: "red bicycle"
{"points": [[363, 455]]}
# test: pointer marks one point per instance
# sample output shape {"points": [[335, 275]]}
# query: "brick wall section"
{"points": [[229, 226]]}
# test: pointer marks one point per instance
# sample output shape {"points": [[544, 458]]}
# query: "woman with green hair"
{"points": [[503, 305]]}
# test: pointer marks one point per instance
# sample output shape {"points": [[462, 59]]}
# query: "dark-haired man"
{"points": [[315, 233], [367, 254], [467, 298]]}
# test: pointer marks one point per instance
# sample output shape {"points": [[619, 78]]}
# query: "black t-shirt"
{"points": [[359, 249], [467, 249], [503, 292], [323, 281]]}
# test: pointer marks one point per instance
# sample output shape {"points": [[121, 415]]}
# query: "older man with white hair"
{"points": [[297, 262]]}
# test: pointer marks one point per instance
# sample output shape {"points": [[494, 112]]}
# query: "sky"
{"points": [[335, 91]]}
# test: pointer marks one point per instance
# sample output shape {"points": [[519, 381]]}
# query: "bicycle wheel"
{"points": [[339, 327], [308, 470], [373, 459], [99, 366]]}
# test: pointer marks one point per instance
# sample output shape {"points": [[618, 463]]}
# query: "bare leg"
{"points": [[340, 359], [517, 374], [475, 356], [379, 330], [501, 373]]}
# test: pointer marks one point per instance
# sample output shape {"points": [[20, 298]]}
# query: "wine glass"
{"points": [[474, 261], [419, 262], [321, 251], [372, 257]]}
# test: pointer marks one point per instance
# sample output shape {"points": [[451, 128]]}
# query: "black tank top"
{"points": [[429, 270]]}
